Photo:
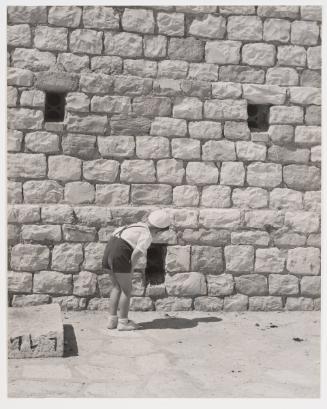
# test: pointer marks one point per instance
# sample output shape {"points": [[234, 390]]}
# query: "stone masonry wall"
{"points": [[156, 116]]}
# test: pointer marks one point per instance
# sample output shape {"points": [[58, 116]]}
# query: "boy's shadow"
{"points": [[176, 323]]}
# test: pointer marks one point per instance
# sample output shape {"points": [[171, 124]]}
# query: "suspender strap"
{"points": [[127, 227]]}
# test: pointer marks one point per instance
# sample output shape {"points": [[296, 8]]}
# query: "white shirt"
{"points": [[138, 236]]}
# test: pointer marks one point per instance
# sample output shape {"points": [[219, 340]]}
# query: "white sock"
{"points": [[123, 320]]}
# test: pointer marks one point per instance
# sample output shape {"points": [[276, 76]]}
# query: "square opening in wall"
{"points": [[258, 117], [54, 107], [155, 266]]}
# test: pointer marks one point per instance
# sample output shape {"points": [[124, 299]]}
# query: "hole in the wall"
{"points": [[54, 107], [155, 266], [258, 117]]}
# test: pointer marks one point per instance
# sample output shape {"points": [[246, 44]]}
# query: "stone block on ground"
{"points": [[35, 332]]}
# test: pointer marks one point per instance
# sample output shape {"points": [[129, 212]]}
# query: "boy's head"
{"points": [[159, 220]]}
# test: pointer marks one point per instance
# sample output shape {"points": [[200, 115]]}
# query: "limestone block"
{"points": [[64, 168], [243, 74], [282, 76], [253, 284], [205, 130], [156, 291], [259, 54], [211, 304], [101, 170], [86, 41], [261, 137], [151, 194], [148, 147], [216, 196], [83, 146], [19, 77], [111, 104], [220, 218], [249, 151], [141, 304], [223, 52], [52, 282], [78, 102], [96, 124], [116, 146], [92, 215], [41, 233], [305, 95], [256, 238], [79, 192], [112, 195], [152, 106], [96, 83], [250, 197], [122, 44], [276, 30], [170, 171], [282, 198], [281, 134], [282, 154], [173, 304], [93, 253], [313, 115], [129, 125], [168, 127], [264, 94], [27, 14], [85, 284], [286, 115], [269, 303], [207, 259], [247, 28], [73, 232], [210, 237], [311, 13], [232, 173], [128, 215], [19, 282], [187, 108], [67, 16], [317, 304], [310, 78], [278, 11], [29, 257], [14, 192], [185, 148], [70, 302], [314, 58], [30, 300], [24, 165], [188, 49], [199, 89], [196, 9], [226, 90], [50, 38], [302, 177], [201, 173], [299, 304], [107, 64], [19, 35], [304, 32], [302, 222], [237, 302], [285, 284], [73, 63], [45, 191], [177, 259], [266, 175], [56, 81], [167, 87], [239, 258], [171, 24], [182, 218], [12, 96], [208, 26], [57, 214], [172, 69], [23, 214], [155, 46], [33, 59], [303, 261], [24, 118], [261, 219], [314, 240], [186, 196], [220, 285], [310, 286], [35, 99], [236, 130], [137, 171], [141, 68], [186, 285], [14, 140], [285, 239], [225, 109], [270, 260], [312, 201], [292, 55], [100, 17], [203, 72]]}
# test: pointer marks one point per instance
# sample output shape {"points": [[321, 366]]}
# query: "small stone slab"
{"points": [[35, 332]]}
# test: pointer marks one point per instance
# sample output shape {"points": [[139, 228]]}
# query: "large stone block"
{"points": [[263, 219], [90, 124], [35, 99], [24, 118], [64, 168], [236, 130], [170, 171], [225, 109], [152, 106], [220, 218], [35, 332], [283, 239], [148, 147], [171, 24], [268, 303], [67, 16], [250, 197], [173, 304], [283, 284], [252, 284], [186, 196], [129, 125], [264, 94], [276, 30], [19, 282], [151, 194], [96, 83], [292, 55], [239, 259], [186, 285], [203, 72], [45, 191], [137, 171], [29, 257], [187, 108], [237, 302], [100, 17], [223, 52], [101, 170], [86, 41], [299, 304], [259, 54], [211, 304], [311, 286], [312, 201], [266, 175], [304, 32], [116, 146], [256, 238], [281, 134], [311, 13], [19, 35], [220, 285], [155, 46], [123, 44], [208, 26], [28, 300], [112, 195], [207, 259], [250, 151], [305, 95], [310, 78], [248, 28], [34, 60], [50, 38], [23, 214], [232, 173], [284, 155], [216, 196], [303, 261], [282, 198], [52, 282], [225, 90], [92, 215], [177, 259], [314, 58], [282, 76], [19, 77], [77, 102], [302, 222], [302, 177], [218, 151], [168, 87], [56, 81], [41, 233], [85, 284], [205, 130], [73, 63], [270, 260], [278, 11], [241, 73], [189, 49], [172, 69], [111, 104], [93, 254], [132, 86], [79, 192], [185, 148], [208, 237], [201, 173], [107, 64], [57, 214], [67, 257], [23, 165], [27, 14], [313, 115]]}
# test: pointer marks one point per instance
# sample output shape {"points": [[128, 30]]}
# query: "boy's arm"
{"points": [[137, 253]]}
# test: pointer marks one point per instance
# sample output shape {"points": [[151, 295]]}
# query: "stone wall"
{"points": [[156, 116]]}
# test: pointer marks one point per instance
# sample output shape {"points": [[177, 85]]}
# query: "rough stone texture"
{"points": [[302, 177], [223, 52], [303, 261], [253, 284], [216, 196], [239, 259], [250, 197], [220, 285], [186, 284], [266, 175], [201, 173], [67, 257]]}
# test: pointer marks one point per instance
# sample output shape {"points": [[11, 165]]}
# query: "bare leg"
{"points": [[114, 300], [125, 283]]}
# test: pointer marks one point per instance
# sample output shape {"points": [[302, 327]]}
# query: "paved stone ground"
{"points": [[185, 354]]}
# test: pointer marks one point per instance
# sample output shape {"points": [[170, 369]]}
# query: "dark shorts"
{"points": [[117, 255]]}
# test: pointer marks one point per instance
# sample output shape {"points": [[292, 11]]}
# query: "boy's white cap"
{"points": [[159, 218]]}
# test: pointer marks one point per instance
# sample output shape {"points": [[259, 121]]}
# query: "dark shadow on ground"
{"points": [[176, 323], [70, 344]]}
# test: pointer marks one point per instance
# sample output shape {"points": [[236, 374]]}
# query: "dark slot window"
{"points": [[258, 117], [54, 107], [155, 267]]}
